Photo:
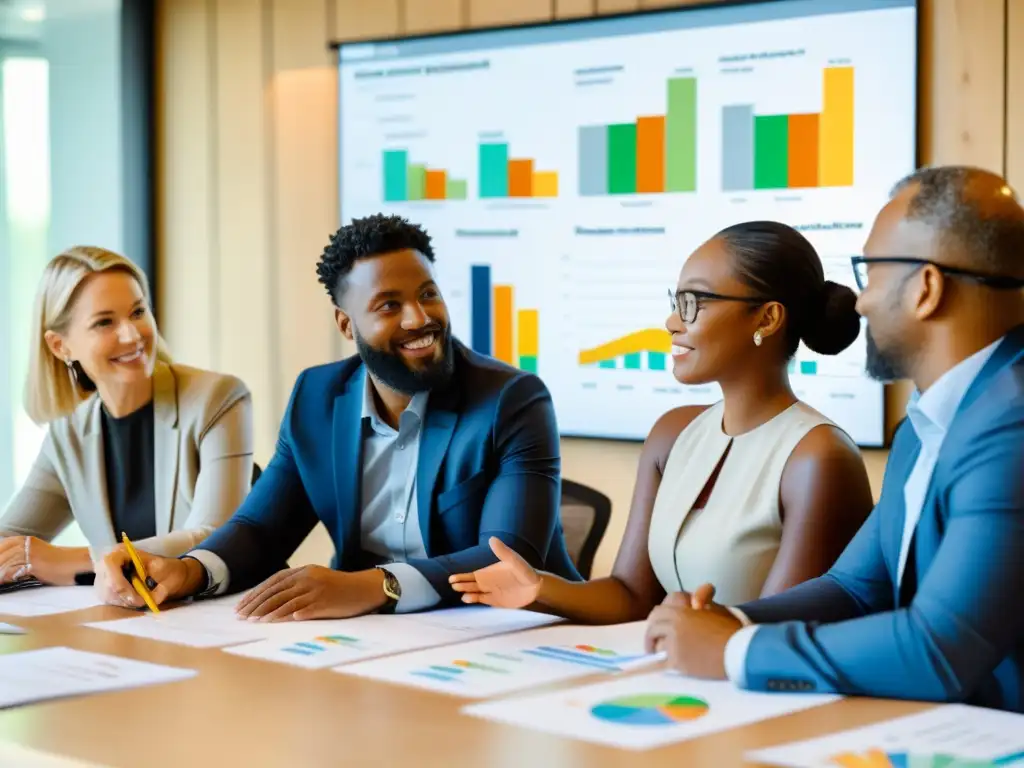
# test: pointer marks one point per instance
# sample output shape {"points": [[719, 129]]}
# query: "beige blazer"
{"points": [[203, 455]]}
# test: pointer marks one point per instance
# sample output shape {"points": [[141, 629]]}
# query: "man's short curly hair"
{"points": [[362, 239]]}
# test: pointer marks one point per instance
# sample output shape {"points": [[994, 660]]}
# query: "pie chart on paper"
{"points": [[650, 709]]}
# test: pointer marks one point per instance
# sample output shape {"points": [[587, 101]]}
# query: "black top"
{"points": [[128, 453]]}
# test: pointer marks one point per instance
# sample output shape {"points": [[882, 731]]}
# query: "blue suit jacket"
{"points": [[489, 465], [954, 630]]}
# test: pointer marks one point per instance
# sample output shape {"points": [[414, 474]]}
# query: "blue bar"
{"points": [[737, 148], [480, 311]]}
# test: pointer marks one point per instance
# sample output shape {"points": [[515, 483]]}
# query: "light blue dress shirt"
{"points": [[930, 414], [390, 523]]}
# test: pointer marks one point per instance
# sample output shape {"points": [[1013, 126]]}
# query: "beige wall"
{"points": [[247, 176]]}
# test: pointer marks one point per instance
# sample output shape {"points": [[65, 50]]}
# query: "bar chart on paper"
{"points": [[952, 736], [503, 175], [406, 181], [792, 151], [497, 326], [652, 154], [511, 662]]}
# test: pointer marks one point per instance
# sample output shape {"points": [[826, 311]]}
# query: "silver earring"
{"points": [[72, 372], [757, 338]]}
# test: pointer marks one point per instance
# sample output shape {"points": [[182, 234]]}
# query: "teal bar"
{"points": [[494, 170], [528, 363], [656, 361], [808, 367], [606, 364], [632, 361], [395, 178]]}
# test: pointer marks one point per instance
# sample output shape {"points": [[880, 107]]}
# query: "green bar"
{"points": [[808, 367], [456, 189], [494, 170], [528, 363], [622, 159], [656, 361], [681, 135], [632, 361], [606, 364], [417, 182], [771, 151], [395, 177]]}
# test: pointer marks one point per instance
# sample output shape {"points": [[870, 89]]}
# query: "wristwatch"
{"points": [[392, 590]]}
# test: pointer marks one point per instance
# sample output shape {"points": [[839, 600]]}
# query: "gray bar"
{"points": [[593, 160], [357, 53], [737, 148]]}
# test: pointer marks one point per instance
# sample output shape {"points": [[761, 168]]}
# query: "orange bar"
{"points": [[503, 322], [803, 151], [520, 178], [437, 183], [650, 154]]}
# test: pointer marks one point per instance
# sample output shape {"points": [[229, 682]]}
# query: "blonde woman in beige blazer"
{"points": [[135, 441]]}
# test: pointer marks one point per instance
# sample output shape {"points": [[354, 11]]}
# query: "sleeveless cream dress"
{"points": [[733, 541]]}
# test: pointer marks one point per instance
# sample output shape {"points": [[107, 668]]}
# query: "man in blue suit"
{"points": [[925, 603], [412, 454]]}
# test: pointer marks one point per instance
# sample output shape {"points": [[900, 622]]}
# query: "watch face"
{"points": [[391, 587]]}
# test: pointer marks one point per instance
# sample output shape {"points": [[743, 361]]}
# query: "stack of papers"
{"points": [[51, 673], [46, 601], [322, 643], [498, 665], [644, 711], [953, 736]]}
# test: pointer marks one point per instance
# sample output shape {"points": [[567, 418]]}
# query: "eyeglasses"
{"points": [[999, 282], [688, 303]]}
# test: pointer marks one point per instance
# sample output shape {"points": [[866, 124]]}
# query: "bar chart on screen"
{"points": [[648, 154], [407, 181], [764, 150], [504, 174]]}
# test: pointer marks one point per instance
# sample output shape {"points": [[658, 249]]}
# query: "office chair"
{"points": [[585, 514]]}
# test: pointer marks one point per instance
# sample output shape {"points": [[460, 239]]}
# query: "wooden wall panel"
{"points": [[247, 302], [184, 222], [496, 12], [963, 82], [433, 16], [1015, 95], [303, 101], [617, 6], [354, 19], [567, 9]]}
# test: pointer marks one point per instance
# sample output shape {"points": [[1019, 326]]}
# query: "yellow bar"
{"points": [[545, 183], [503, 322], [529, 333], [873, 758], [650, 340], [836, 129]]}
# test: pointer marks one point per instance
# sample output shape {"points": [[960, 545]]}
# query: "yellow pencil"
{"points": [[139, 579]]}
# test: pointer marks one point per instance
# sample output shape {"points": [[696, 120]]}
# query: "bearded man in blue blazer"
{"points": [[925, 603], [412, 453]]}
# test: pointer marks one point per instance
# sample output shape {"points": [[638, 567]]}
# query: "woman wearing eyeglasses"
{"points": [[753, 494]]}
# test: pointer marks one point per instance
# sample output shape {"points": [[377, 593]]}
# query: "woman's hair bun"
{"points": [[832, 324]]}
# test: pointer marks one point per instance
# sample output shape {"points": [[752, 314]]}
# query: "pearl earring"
{"points": [[757, 338]]}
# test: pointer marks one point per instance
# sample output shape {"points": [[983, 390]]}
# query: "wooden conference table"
{"points": [[252, 713]]}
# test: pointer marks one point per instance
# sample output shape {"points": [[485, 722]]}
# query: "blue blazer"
{"points": [[489, 465], [954, 629]]}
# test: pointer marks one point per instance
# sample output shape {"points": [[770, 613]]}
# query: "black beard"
{"points": [[880, 366], [391, 370]]}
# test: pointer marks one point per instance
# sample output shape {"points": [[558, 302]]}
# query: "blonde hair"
{"points": [[50, 391]]}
